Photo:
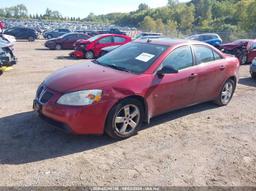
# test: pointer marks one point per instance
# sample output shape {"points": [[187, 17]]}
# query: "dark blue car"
{"points": [[210, 38], [55, 33]]}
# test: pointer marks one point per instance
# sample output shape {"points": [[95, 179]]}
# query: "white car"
{"points": [[9, 38]]}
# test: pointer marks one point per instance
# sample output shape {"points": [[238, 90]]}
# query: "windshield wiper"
{"points": [[118, 68], [96, 62]]}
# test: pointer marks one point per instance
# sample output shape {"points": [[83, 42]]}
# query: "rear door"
{"points": [[211, 73], [176, 90], [69, 41]]}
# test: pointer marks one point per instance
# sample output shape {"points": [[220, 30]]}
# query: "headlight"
{"points": [[80, 98]]}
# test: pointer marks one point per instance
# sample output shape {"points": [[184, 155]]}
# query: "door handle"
{"points": [[222, 67], [192, 76]]}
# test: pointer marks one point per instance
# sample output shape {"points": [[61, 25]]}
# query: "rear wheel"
{"points": [[89, 55], [58, 47], [125, 119], [226, 93]]}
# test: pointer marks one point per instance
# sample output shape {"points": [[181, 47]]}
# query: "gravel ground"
{"points": [[203, 145]]}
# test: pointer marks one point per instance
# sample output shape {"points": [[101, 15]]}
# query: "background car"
{"points": [[7, 57], [22, 33], [92, 47], [210, 38], [65, 41], [119, 91], [55, 33], [253, 69], [237, 48]]}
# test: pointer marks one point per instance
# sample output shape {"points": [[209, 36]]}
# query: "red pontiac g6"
{"points": [[137, 81]]}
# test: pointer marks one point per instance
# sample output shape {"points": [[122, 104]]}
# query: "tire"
{"points": [[226, 93], [125, 119], [58, 47], [49, 36], [89, 55], [253, 74], [31, 39]]}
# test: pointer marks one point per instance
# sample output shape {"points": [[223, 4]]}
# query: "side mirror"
{"points": [[166, 70]]}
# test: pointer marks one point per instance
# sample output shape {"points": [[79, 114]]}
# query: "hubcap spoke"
{"points": [[127, 111], [132, 124], [135, 113], [119, 119], [123, 129]]}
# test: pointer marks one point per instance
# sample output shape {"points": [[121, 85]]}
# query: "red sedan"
{"points": [[65, 41], [135, 82], [92, 47]]}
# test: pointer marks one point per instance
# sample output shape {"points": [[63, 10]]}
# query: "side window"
{"points": [[106, 40], [119, 39], [180, 58], [216, 56], [203, 54]]}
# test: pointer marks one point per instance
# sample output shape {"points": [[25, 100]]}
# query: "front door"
{"points": [[174, 91]]}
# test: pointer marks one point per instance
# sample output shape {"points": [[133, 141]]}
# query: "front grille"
{"points": [[46, 97], [43, 95]]}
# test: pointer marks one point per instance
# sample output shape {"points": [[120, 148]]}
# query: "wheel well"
{"points": [[233, 78], [143, 102]]}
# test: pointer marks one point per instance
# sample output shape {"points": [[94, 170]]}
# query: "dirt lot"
{"points": [[200, 145]]}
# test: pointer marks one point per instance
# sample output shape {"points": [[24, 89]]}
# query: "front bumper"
{"points": [[78, 120]]}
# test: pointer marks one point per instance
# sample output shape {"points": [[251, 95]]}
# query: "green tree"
{"points": [[148, 24]]}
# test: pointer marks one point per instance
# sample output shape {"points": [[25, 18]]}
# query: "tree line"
{"points": [[21, 12]]}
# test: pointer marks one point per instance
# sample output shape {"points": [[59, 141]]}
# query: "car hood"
{"points": [[84, 76]]}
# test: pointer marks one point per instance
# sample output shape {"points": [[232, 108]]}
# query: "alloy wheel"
{"points": [[127, 119], [227, 92]]}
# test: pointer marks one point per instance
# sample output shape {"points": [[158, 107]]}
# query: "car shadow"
{"points": [[180, 113], [25, 138], [42, 49], [248, 82], [65, 58]]}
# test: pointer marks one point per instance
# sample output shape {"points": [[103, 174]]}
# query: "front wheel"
{"points": [[125, 119], [226, 93], [89, 55], [58, 47]]}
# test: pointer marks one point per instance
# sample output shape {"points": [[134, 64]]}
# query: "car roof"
{"points": [[169, 41]]}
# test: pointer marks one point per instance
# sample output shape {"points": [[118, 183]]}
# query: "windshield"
{"points": [[132, 57]]}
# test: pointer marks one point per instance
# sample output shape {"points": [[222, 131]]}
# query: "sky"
{"points": [[81, 8]]}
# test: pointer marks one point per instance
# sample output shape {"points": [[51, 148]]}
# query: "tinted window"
{"points": [[119, 39], [216, 56], [105, 40], [203, 54], [180, 58], [133, 57]]}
